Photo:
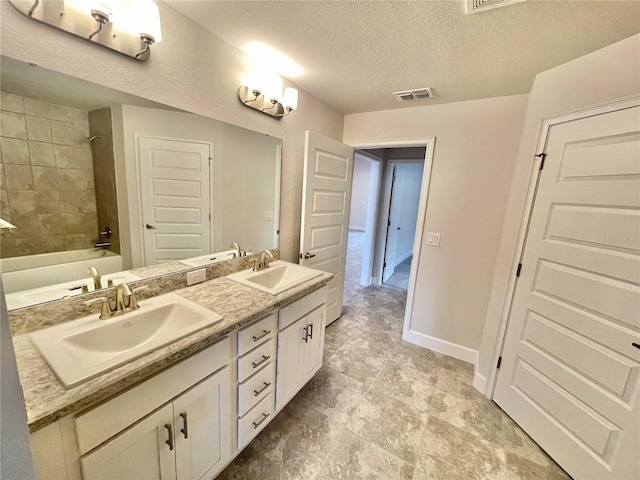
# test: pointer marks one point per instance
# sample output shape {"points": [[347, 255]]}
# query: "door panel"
{"points": [[176, 199], [326, 199], [206, 445], [140, 452], [570, 375], [313, 348]]}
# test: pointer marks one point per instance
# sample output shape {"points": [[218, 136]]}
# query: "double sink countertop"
{"points": [[47, 400]]}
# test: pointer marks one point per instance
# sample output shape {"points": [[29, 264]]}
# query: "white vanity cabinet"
{"points": [[186, 437], [300, 344], [256, 377]]}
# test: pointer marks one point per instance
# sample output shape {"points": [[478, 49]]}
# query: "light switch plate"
{"points": [[268, 215], [197, 276], [433, 239]]}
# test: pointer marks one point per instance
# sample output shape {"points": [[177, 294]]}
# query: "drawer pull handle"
{"points": [[258, 392], [170, 432], [185, 425], [264, 417], [261, 361], [262, 335], [310, 330]]}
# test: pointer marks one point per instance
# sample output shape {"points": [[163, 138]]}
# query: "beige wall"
{"points": [[191, 69], [475, 147], [602, 77], [360, 192], [47, 186]]}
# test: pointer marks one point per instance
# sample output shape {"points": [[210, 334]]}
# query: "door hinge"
{"points": [[499, 362], [388, 223], [384, 265], [542, 156], [209, 217], [518, 270]]}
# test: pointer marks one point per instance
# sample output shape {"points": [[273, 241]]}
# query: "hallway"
{"points": [[384, 408]]}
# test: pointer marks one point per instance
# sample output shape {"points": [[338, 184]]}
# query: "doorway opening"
{"points": [[385, 200]]}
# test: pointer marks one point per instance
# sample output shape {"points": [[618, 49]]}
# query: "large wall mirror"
{"points": [[93, 177]]}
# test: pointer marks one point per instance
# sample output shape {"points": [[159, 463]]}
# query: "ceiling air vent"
{"points": [[475, 6], [415, 94]]}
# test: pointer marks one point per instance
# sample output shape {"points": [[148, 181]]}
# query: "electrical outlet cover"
{"points": [[196, 276]]}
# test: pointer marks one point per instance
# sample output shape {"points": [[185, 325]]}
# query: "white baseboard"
{"points": [[356, 228], [480, 383], [442, 346], [404, 257]]}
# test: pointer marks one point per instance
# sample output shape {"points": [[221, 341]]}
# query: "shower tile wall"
{"points": [[46, 178], [105, 174]]}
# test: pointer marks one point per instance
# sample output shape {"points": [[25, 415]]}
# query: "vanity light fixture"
{"points": [[126, 26], [269, 103]]}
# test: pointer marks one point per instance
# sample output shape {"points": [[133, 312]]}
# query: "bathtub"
{"points": [[35, 271]]}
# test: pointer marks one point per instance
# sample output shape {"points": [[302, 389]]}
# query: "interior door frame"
{"points": [[545, 130], [429, 143], [137, 229]]}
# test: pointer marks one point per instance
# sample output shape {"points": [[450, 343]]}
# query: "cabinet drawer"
{"points": [[107, 419], [255, 421], [255, 389], [256, 359], [256, 334], [300, 308]]}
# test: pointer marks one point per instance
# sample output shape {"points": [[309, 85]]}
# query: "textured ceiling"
{"points": [[355, 53]]}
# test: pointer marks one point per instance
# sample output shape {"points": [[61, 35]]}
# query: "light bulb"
{"points": [[290, 100]]}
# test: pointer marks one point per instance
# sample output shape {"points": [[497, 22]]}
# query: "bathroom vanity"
{"points": [[187, 409]]}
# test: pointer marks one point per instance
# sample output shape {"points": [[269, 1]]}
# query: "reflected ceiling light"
{"points": [[262, 91], [126, 26], [273, 59]]}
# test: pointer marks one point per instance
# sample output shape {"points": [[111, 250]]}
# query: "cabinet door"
{"points": [[312, 358], [141, 452], [290, 354], [202, 419]]}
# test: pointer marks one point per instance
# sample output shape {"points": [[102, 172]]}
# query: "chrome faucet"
{"points": [[238, 251], [97, 284], [262, 262], [125, 301]]}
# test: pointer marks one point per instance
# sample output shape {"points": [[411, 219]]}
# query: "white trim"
{"points": [[417, 241], [479, 381], [526, 213], [356, 228], [441, 346]]}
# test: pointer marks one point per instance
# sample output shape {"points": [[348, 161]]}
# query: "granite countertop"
{"points": [[47, 400]]}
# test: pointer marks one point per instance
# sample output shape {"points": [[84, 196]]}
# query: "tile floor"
{"points": [[400, 277], [384, 408]]}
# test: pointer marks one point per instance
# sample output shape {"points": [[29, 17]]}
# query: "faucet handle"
{"points": [[105, 311], [133, 301], [111, 279]]}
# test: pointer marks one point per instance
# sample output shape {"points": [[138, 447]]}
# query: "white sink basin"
{"points": [[82, 349], [209, 259], [279, 277]]}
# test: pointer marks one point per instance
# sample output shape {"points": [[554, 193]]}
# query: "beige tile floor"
{"points": [[383, 408]]}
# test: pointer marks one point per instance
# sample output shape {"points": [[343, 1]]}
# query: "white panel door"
{"points": [[176, 200], [393, 226], [326, 201], [202, 419], [145, 451], [570, 374]]}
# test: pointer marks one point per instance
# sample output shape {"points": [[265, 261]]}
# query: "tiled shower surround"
{"points": [[47, 183]]}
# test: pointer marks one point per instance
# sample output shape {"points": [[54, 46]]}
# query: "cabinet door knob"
{"points": [[170, 432], [185, 425], [310, 330]]}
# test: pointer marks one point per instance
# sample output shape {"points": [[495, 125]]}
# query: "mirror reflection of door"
{"points": [[175, 199], [406, 182]]}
